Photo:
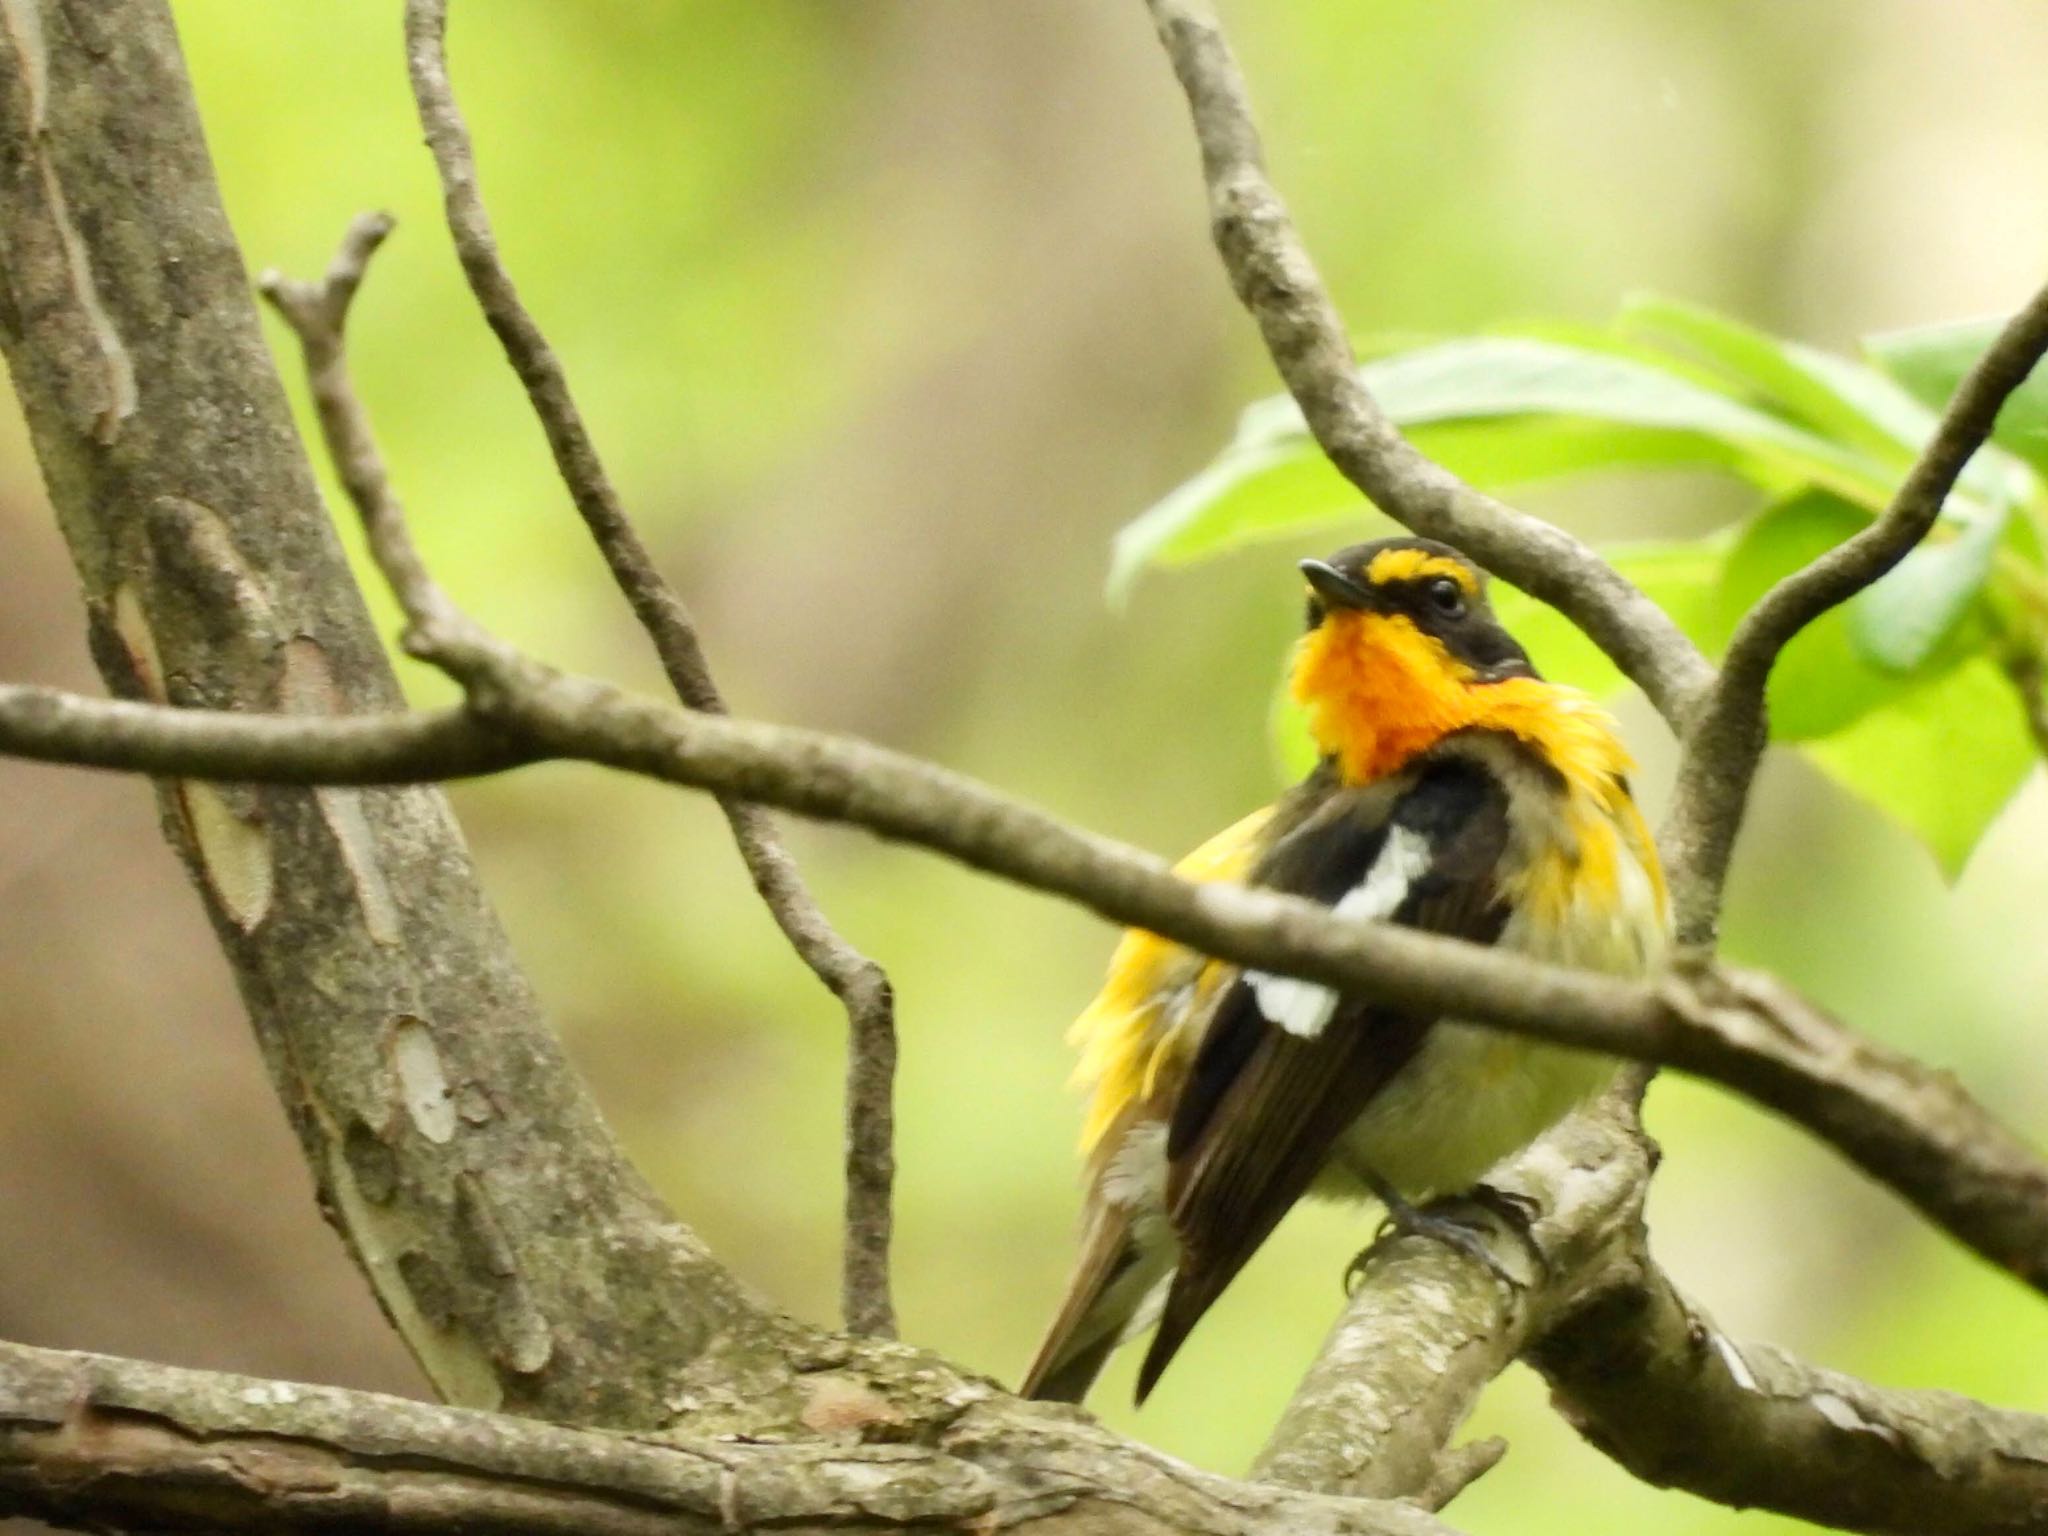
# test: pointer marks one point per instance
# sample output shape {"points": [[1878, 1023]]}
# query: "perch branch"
{"points": [[1640, 1372], [1427, 1330]]}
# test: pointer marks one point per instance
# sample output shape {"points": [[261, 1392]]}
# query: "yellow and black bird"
{"points": [[1457, 792]]}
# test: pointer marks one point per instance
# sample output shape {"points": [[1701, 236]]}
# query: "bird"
{"points": [[1455, 791]]}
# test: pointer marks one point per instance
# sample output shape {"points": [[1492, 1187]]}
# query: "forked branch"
{"points": [[1339, 1432], [1723, 742], [860, 985], [1274, 276]]}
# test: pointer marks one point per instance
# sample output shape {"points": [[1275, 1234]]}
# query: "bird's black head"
{"points": [[1426, 584]]}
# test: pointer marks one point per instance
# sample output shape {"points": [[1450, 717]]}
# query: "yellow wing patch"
{"points": [[1133, 1027], [1578, 738]]}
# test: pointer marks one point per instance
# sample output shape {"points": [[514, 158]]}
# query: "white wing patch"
{"points": [[1299, 1007], [1304, 1008]]}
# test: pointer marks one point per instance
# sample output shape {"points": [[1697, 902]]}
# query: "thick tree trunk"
{"points": [[525, 1263]]}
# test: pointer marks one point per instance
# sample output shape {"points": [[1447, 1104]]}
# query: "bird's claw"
{"points": [[1518, 1210], [1450, 1221]]}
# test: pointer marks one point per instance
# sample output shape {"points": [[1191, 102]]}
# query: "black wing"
{"points": [[1264, 1106]]}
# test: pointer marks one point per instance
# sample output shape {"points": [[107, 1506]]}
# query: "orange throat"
{"points": [[1377, 691]]}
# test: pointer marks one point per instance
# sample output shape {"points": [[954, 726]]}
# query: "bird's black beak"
{"points": [[1334, 587]]}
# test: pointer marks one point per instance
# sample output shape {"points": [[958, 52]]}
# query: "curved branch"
{"points": [[860, 985], [1278, 283], [1724, 741], [1650, 1381], [102, 1443]]}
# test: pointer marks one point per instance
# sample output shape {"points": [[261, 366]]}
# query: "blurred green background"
{"points": [[888, 315]]}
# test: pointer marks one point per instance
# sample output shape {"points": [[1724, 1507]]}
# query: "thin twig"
{"points": [[2025, 669], [318, 315], [1724, 742], [860, 985], [1276, 280]]}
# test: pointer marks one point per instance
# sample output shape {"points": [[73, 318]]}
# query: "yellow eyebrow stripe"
{"points": [[1414, 565]]}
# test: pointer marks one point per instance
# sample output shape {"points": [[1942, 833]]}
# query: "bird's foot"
{"points": [[1519, 1213], [1461, 1223]]}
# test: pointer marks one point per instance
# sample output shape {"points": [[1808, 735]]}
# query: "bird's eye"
{"points": [[1446, 597]]}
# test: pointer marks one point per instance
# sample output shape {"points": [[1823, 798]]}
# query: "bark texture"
{"points": [[525, 1264], [93, 1441], [1650, 1380], [1427, 1330]]}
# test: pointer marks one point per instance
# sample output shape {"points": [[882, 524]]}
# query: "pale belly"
{"points": [[1472, 1097]]}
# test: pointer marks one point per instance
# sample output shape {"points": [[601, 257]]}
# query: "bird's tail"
{"points": [[1113, 1295]]}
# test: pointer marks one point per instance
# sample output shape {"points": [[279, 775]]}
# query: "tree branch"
{"points": [[1278, 283], [318, 315], [51, 726], [1911, 1128], [94, 1442], [1652, 1382], [1640, 1372], [450, 1144], [1724, 741], [1427, 1330], [860, 985]]}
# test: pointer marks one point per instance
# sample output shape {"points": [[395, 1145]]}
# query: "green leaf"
{"points": [[1797, 380], [1930, 361], [1942, 758], [1522, 376], [1497, 411], [1683, 577], [1901, 620], [1821, 683], [1251, 492], [1839, 397]]}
